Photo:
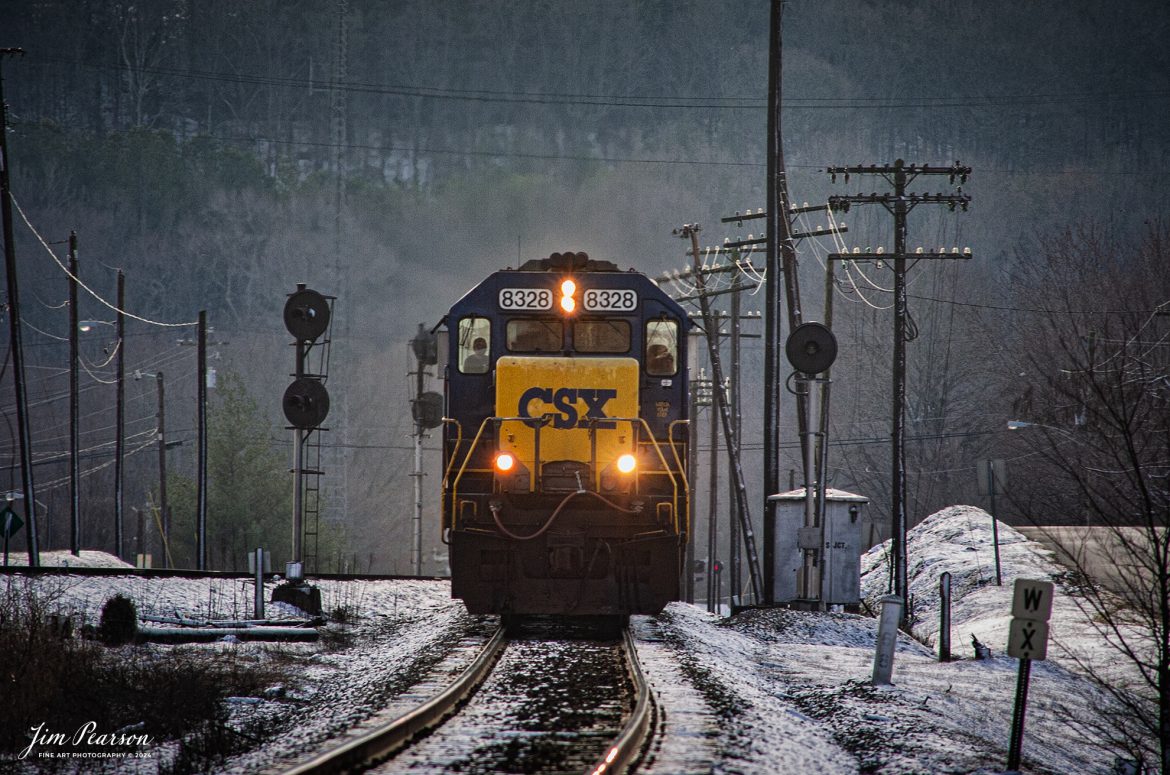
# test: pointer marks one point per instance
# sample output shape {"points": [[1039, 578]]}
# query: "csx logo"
{"points": [[564, 400]]}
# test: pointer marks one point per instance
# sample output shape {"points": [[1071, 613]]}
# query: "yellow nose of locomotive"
{"points": [[567, 415]]}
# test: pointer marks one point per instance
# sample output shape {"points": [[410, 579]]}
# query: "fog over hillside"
{"points": [[394, 154]]}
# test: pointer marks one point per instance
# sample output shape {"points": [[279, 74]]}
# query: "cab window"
{"points": [[534, 336], [661, 348], [601, 336], [475, 338]]}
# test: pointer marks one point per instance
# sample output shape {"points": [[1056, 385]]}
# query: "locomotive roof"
{"points": [[568, 262], [607, 275]]}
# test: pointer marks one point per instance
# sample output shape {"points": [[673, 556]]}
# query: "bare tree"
{"points": [[1101, 436]]}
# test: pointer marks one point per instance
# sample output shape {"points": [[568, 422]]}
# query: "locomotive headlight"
{"points": [[504, 462], [568, 303], [626, 463]]}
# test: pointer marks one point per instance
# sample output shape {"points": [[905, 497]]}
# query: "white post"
{"points": [[887, 640]]}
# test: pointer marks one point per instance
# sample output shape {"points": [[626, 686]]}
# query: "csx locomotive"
{"points": [[564, 441]]}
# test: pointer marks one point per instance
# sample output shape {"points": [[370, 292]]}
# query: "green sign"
{"points": [[10, 523]]}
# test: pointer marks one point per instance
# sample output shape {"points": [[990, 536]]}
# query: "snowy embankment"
{"points": [[393, 633], [792, 694], [959, 540]]}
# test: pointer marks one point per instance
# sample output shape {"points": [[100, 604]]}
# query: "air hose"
{"points": [[496, 505]]}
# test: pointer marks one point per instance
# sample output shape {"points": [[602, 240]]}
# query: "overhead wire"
{"points": [[77, 280], [710, 102], [61, 481], [45, 304], [106, 362], [43, 333]]}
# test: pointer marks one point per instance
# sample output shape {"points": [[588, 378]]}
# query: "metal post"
{"points": [[416, 542], [898, 431], [162, 471], [17, 346], [994, 521], [298, 477], [258, 612], [944, 617], [140, 519], [419, 435], [826, 384], [201, 464], [812, 557], [1021, 707], [74, 406], [887, 640], [692, 466], [713, 489], [718, 566], [120, 417]]}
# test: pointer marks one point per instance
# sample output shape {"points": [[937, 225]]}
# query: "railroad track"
{"points": [[579, 725]]}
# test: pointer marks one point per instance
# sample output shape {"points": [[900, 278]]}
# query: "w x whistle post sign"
{"points": [[1031, 608]]}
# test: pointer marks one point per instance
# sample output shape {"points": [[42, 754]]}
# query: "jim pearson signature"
{"points": [[86, 735]]}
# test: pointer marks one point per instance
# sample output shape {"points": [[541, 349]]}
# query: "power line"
{"points": [[1036, 310], [77, 280], [704, 102]]}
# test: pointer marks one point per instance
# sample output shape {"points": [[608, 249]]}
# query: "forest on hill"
{"points": [[393, 153]]}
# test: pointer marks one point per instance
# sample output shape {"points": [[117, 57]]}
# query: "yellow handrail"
{"points": [[677, 461], [682, 470], [451, 462], [661, 459], [462, 468], [455, 452]]}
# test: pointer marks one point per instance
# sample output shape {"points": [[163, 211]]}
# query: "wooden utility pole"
{"points": [[691, 231], [120, 418], [734, 588], [17, 346], [899, 204], [164, 517], [781, 257], [74, 408], [201, 455]]}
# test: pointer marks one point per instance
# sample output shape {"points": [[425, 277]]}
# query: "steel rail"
{"points": [[190, 573], [386, 740], [626, 752]]}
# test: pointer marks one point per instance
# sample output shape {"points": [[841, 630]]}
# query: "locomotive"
{"points": [[565, 441]]}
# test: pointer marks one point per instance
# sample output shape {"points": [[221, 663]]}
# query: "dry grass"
{"points": [[52, 677]]}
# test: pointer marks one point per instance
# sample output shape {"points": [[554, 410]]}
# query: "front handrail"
{"points": [[674, 449], [681, 469], [462, 468], [661, 458], [458, 442], [536, 423], [449, 518]]}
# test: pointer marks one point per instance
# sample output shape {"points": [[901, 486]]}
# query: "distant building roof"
{"points": [[831, 494]]}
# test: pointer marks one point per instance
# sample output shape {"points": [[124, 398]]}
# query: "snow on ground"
{"points": [[86, 558], [959, 540], [396, 629], [786, 691], [792, 693]]}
